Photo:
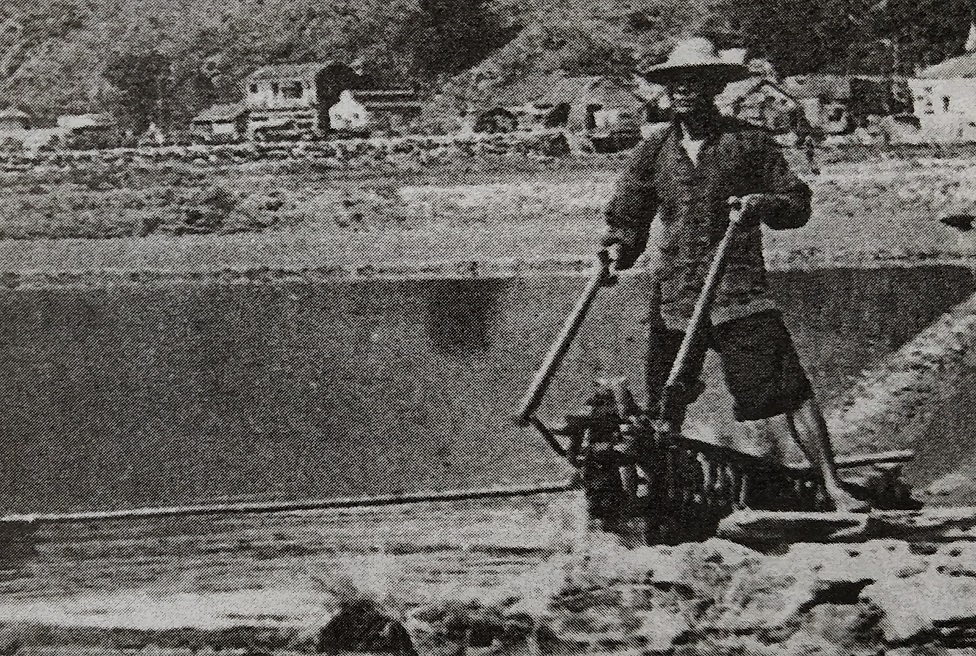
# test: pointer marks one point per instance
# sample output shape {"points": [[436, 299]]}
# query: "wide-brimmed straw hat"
{"points": [[698, 57]]}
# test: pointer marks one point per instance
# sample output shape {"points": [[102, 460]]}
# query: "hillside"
{"points": [[54, 53]]}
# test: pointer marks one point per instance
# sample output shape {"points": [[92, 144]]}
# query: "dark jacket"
{"points": [[692, 202]]}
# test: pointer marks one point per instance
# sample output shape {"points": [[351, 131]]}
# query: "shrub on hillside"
{"points": [[206, 210]]}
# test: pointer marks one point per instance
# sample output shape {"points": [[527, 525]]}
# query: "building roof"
{"points": [[525, 91], [405, 106], [293, 71], [388, 99], [594, 90], [381, 95], [224, 112], [961, 66], [741, 88], [78, 121], [823, 86]]}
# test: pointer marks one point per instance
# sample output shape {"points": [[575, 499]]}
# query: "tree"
{"points": [[143, 80], [926, 31], [857, 36], [450, 35]]}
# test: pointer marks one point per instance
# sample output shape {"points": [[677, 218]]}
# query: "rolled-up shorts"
{"points": [[762, 369]]}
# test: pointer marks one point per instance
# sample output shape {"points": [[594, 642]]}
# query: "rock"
{"points": [[361, 625], [855, 564], [928, 524], [439, 630], [953, 483], [757, 601], [916, 607], [954, 559], [777, 528], [846, 625], [660, 628], [453, 628], [921, 650]]}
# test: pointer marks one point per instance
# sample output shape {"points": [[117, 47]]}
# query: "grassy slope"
{"points": [[53, 52]]}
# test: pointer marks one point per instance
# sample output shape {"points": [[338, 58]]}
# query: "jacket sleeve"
{"points": [[788, 202], [633, 205]]}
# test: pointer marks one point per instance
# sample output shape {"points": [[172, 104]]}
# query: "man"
{"points": [[685, 172]]}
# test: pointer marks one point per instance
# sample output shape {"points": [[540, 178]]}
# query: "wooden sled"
{"points": [[646, 476], [670, 488]]}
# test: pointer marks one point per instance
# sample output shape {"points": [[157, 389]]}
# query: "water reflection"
{"points": [[461, 313]]}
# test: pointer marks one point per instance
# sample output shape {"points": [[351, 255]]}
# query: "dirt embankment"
{"points": [[109, 223], [880, 597]]}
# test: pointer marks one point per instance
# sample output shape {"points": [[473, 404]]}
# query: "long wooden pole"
{"points": [[543, 376], [704, 303], [284, 506]]}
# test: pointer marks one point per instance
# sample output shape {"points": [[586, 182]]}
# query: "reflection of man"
{"points": [[686, 171], [810, 150]]}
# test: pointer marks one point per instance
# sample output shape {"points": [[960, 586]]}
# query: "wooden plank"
{"points": [[285, 506], [862, 460]]}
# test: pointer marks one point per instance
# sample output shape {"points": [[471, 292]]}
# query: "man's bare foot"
{"points": [[844, 501]]}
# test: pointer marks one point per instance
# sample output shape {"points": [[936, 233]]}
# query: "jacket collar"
{"points": [[715, 124]]}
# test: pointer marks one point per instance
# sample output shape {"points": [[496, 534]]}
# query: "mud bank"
{"points": [[76, 264], [596, 598], [920, 397]]}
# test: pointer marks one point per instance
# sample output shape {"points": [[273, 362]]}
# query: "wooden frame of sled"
{"points": [[646, 476]]}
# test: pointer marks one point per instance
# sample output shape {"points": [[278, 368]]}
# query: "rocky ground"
{"points": [[883, 596]]}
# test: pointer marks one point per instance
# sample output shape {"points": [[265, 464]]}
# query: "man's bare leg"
{"points": [[808, 427]]}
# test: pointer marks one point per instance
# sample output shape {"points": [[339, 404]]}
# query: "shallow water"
{"points": [[125, 397]]}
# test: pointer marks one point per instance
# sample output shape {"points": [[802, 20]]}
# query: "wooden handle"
{"points": [[704, 303], [543, 376]]}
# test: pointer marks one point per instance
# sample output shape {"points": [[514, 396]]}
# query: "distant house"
{"points": [[374, 110], [227, 121], [837, 104], [762, 102], [945, 98], [85, 122], [14, 119], [89, 130], [824, 99], [513, 107], [497, 119], [295, 97], [592, 104]]}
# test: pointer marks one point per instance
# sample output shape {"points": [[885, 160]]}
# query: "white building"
{"points": [[372, 110], [944, 96], [71, 122], [297, 95]]}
